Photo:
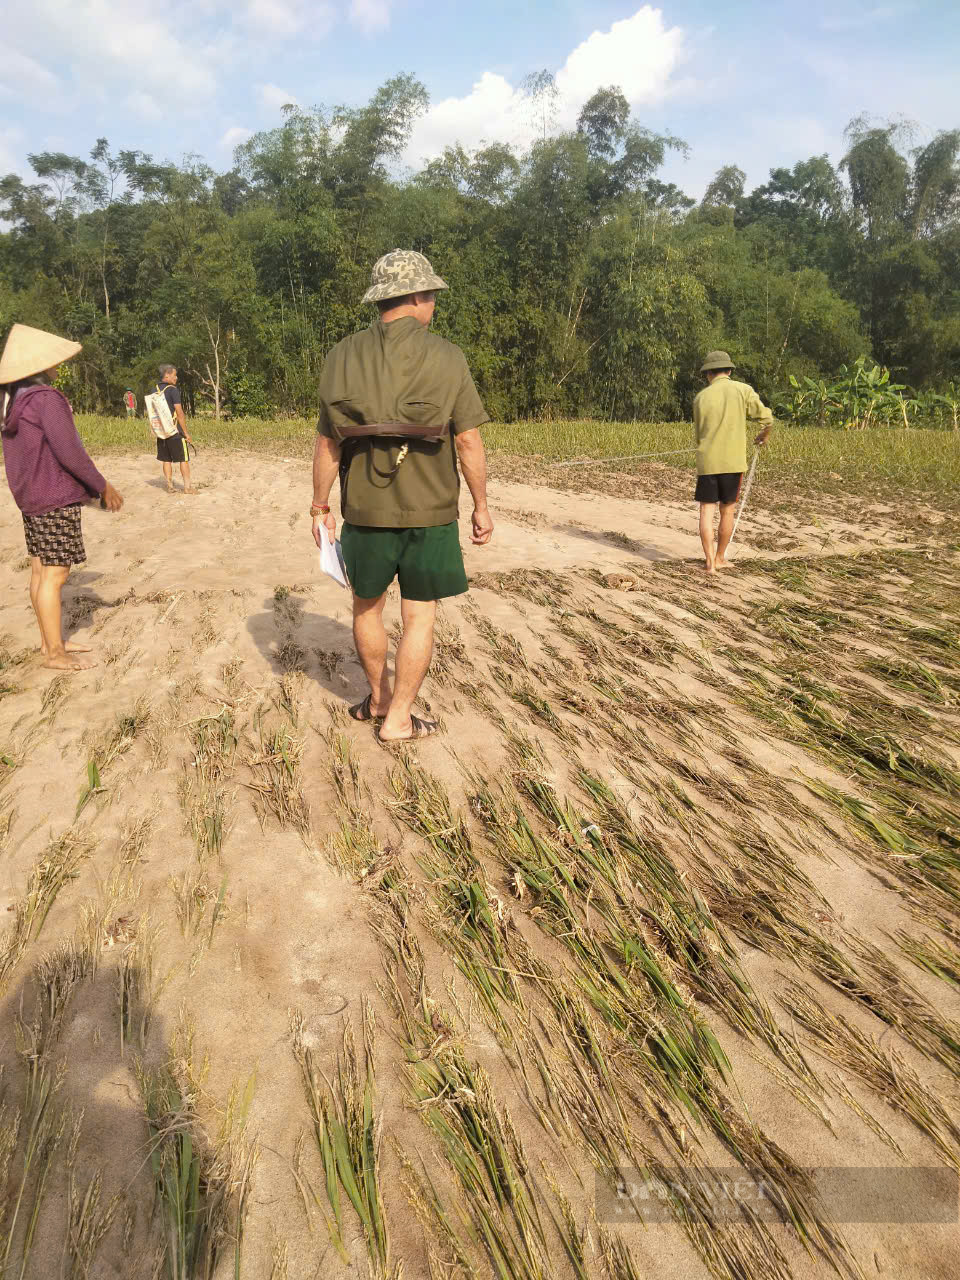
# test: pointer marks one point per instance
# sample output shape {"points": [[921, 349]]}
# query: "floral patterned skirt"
{"points": [[56, 537]]}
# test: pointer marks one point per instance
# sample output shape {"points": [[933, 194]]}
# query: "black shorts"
{"points": [[55, 537], [723, 488], [173, 449]]}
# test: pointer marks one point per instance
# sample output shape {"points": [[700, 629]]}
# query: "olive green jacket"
{"points": [[720, 414], [398, 372]]}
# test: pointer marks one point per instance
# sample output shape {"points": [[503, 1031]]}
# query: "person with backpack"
{"points": [[50, 475], [174, 448]]}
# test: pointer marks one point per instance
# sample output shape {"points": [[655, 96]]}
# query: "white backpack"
{"points": [[159, 416]]}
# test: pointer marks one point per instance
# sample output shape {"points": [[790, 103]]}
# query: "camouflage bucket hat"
{"points": [[400, 272], [716, 360]]}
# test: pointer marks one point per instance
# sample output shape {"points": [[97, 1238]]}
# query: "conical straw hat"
{"points": [[29, 351]]}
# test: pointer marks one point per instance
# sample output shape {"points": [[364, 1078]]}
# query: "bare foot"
{"points": [[69, 662], [709, 568], [189, 491], [170, 489], [722, 563], [69, 647]]}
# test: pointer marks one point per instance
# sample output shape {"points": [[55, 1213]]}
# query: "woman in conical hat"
{"points": [[50, 475]]}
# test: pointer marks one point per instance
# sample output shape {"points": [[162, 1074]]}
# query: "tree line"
{"points": [[581, 283]]}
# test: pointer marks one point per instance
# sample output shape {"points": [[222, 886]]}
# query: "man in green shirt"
{"points": [[399, 493], [720, 414]]}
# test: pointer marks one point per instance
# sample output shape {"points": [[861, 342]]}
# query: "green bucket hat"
{"points": [[400, 272], [717, 360]]}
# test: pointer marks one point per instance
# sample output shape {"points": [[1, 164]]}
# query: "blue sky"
{"points": [[755, 84]]}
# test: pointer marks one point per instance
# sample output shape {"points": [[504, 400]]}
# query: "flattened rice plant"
{"points": [[348, 1134]]}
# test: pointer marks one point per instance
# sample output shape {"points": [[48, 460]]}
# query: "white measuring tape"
{"points": [[668, 453], [746, 494], [629, 457]]}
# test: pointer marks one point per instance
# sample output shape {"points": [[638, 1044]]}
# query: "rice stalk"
{"points": [[935, 957], [883, 1071], [658, 1032], [202, 1188], [89, 1219], [42, 1127], [348, 1134], [470, 919], [138, 988], [615, 1256], [57, 866], [278, 780], [110, 746], [54, 695], [456, 1103], [203, 792]]}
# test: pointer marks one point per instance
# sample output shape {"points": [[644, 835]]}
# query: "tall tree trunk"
{"points": [[214, 377]]}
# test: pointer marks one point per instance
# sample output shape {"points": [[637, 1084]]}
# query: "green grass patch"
{"points": [[919, 459]]}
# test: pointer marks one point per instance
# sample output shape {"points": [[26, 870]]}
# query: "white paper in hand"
{"points": [[331, 558]]}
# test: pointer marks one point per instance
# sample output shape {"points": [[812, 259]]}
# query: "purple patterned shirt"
{"points": [[46, 463]]}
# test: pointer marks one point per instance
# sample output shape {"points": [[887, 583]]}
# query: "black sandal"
{"points": [[361, 711], [421, 729]]}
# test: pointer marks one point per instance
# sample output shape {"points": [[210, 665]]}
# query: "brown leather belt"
{"points": [[391, 430]]}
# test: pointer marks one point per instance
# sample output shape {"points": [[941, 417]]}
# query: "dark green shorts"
{"points": [[428, 563]]}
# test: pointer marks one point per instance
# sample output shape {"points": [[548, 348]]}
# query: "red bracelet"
{"points": [[318, 509]]}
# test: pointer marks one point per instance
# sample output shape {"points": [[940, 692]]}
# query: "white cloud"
{"points": [[106, 44], [640, 54], [145, 105], [493, 109], [274, 98], [863, 17], [235, 137], [23, 77], [11, 150], [286, 18], [370, 15]]}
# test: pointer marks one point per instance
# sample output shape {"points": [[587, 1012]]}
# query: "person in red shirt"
{"points": [[50, 475]]}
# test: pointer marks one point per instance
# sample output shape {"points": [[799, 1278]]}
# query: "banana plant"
{"points": [[814, 398], [948, 399]]}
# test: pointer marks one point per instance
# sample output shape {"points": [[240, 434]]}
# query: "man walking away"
{"points": [[174, 448], [720, 413], [130, 403], [398, 410]]}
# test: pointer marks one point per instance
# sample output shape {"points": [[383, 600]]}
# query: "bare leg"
{"points": [[46, 604], [413, 659], [728, 511], [185, 472], [168, 476], [706, 534], [370, 637], [36, 570]]}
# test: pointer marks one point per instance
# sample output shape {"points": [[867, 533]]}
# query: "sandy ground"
{"points": [[203, 606]]}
